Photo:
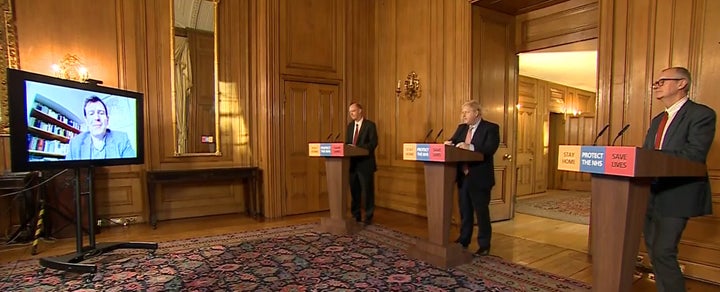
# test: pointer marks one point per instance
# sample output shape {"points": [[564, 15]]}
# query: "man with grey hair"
{"points": [[475, 179], [685, 129], [362, 133]]}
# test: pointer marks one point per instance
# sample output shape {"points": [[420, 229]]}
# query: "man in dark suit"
{"points": [[362, 133], [685, 129], [475, 179]]}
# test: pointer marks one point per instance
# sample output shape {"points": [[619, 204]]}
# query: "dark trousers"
{"points": [[478, 203], [662, 235], [362, 182]]}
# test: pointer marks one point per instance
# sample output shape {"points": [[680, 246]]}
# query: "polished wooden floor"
{"points": [[554, 246]]}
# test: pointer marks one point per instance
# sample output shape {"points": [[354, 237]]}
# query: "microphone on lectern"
{"points": [[329, 137], [337, 137], [427, 135], [438, 136], [601, 133], [620, 134]]}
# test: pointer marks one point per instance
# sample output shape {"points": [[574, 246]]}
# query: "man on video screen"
{"points": [[99, 142]]}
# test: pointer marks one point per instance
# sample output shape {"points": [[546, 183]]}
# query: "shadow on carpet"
{"points": [[569, 206], [295, 258]]}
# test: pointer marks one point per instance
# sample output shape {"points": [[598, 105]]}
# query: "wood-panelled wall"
{"points": [[405, 30], [111, 45], [564, 23], [366, 47], [126, 44], [637, 39]]}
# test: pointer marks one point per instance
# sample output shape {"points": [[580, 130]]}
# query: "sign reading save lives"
{"points": [[615, 160]]}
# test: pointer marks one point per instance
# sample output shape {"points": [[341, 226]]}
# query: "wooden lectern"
{"points": [[621, 179], [337, 169], [440, 169]]}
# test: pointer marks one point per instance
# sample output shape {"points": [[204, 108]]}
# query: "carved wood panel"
{"points": [[311, 38]]}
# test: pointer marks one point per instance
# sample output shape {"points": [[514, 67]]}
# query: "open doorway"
{"points": [[556, 105]]}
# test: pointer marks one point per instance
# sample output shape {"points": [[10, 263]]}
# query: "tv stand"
{"points": [[72, 262]]}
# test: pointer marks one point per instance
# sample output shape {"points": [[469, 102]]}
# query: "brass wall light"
{"points": [[412, 87], [71, 68]]}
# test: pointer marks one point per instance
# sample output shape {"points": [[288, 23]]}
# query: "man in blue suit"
{"points": [[475, 179], [685, 129]]}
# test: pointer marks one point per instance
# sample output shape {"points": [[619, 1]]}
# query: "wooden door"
{"points": [[556, 134], [311, 113], [494, 84], [532, 136], [525, 164]]}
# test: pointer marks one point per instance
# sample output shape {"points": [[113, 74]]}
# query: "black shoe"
{"points": [[464, 245], [358, 220], [482, 251], [643, 269], [368, 222]]}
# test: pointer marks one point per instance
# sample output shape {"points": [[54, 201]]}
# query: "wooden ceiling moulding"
{"points": [[515, 7]]}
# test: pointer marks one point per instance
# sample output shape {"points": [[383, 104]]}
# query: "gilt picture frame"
{"points": [[8, 59]]}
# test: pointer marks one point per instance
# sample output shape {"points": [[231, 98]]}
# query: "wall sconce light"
{"points": [[71, 68], [412, 87]]}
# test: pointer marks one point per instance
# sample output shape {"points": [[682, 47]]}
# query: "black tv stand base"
{"points": [[72, 262]]}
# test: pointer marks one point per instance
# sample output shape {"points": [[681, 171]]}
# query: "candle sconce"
{"points": [[71, 68], [412, 87]]}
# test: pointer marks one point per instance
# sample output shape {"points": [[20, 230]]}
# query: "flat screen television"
{"points": [[58, 123]]}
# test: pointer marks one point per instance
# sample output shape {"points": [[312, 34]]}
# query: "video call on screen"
{"points": [[56, 115]]}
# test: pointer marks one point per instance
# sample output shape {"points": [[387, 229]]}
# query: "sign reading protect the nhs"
{"points": [[592, 159], [325, 149]]}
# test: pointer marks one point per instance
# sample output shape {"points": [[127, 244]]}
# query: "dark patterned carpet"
{"points": [[283, 259], [570, 206]]}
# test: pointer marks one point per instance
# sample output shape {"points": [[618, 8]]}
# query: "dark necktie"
{"points": [[660, 130], [355, 136]]}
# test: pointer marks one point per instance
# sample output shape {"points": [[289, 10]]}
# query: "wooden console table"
{"points": [[249, 174]]}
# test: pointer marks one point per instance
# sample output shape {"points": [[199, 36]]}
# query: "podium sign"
{"points": [[326, 149], [424, 152], [619, 160]]}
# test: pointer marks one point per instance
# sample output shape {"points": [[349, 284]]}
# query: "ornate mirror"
{"points": [[194, 77]]}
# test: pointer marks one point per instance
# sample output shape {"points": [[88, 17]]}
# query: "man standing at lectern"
{"points": [[362, 133], [685, 129], [475, 179]]}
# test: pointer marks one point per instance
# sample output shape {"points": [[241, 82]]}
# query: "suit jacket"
{"points": [[368, 139], [486, 140], [117, 145], [689, 135]]}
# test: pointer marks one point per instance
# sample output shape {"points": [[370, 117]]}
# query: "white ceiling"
{"points": [[573, 65], [196, 14]]}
